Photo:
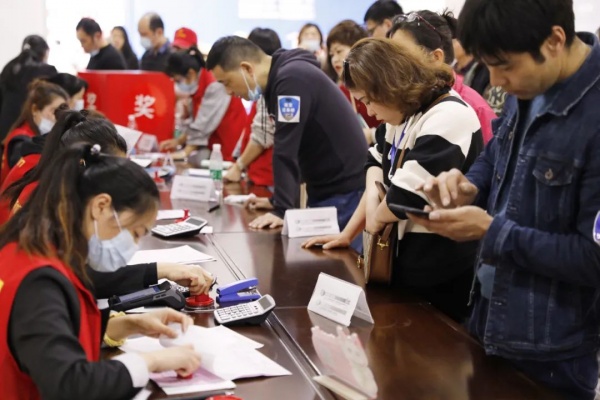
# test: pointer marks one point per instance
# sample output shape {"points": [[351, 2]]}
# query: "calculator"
{"points": [[253, 313], [189, 227]]}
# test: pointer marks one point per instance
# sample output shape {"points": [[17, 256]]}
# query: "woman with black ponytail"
{"points": [[39, 154], [42, 152], [16, 77], [216, 117], [90, 207]]}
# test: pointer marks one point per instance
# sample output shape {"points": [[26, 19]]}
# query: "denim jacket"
{"points": [[544, 303]]}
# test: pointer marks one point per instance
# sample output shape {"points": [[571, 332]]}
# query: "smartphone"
{"points": [[408, 210]]}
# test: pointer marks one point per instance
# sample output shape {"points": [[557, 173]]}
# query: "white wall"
{"points": [[19, 18]]}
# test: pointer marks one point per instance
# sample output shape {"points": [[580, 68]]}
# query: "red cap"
{"points": [[185, 38]]}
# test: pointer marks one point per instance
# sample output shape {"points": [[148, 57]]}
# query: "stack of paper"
{"points": [[225, 353], [201, 381], [182, 254]]}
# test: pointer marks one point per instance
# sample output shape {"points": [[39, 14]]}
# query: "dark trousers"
{"points": [[573, 378], [346, 205]]}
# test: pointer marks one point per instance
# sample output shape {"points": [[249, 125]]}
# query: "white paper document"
{"points": [[310, 222], [182, 254], [339, 300], [238, 198], [131, 136], [170, 214], [224, 353], [205, 173]]}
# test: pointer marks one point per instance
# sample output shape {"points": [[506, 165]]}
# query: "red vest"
{"points": [[15, 266], [17, 172], [260, 171], [23, 130], [231, 126], [23, 197]]}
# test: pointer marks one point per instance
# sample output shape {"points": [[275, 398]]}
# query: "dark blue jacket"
{"points": [[544, 303]]}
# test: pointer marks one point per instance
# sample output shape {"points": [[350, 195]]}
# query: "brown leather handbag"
{"points": [[378, 249]]}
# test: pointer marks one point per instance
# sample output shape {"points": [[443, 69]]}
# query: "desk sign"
{"points": [[310, 222], [192, 188], [346, 364], [339, 300]]}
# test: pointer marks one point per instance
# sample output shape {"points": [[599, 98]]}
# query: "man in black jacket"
{"points": [[318, 139], [103, 56]]}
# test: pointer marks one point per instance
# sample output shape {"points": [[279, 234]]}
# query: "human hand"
{"points": [[183, 360], [194, 277], [460, 224], [169, 145], [266, 221], [449, 190], [328, 241], [258, 203], [156, 323], [233, 174]]}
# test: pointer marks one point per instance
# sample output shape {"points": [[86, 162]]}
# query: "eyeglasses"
{"points": [[414, 16]]}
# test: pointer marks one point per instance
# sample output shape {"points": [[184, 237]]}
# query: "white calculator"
{"points": [[189, 227], [253, 313]]}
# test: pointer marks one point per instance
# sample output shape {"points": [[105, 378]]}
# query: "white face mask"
{"points": [[253, 95], [45, 126], [94, 53], [311, 45], [79, 104], [146, 43], [111, 254]]}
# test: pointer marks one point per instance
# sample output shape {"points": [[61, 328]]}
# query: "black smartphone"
{"points": [[408, 210]]}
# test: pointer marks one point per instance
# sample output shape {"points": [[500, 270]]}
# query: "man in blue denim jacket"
{"points": [[533, 196]]}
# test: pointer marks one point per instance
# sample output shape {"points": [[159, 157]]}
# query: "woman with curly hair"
{"points": [[428, 129]]}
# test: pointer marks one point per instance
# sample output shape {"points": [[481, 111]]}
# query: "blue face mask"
{"points": [[111, 254], [253, 95], [189, 88]]}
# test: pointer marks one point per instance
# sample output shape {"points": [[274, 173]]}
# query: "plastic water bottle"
{"points": [[216, 170], [131, 124]]}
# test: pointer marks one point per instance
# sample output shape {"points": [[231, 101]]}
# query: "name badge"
{"points": [[147, 143], [192, 188], [310, 222], [339, 300]]}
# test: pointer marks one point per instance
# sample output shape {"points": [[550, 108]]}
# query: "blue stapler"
{"points": [[238, 292]]}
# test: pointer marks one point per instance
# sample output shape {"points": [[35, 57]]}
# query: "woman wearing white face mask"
{"points": [[74, 86], [37, 118], [216, 117], [89, 206]]}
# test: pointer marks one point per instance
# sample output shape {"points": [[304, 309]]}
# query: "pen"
{"points": [[214, 207]]}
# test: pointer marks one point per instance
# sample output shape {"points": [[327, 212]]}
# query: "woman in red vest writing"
{"points": [[90, 208], [216, 117], [37, 118]]}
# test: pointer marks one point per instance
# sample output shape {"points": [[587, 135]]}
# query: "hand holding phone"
{"points": [[408, 210]]}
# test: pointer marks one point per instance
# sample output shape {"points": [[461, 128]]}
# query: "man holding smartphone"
{"points": [[533, 196]]}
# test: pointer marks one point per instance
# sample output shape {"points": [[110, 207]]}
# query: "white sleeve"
{"points": [[137, 368]]}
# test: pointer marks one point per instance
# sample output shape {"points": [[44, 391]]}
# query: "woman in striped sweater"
{"points": [[428, 129]]}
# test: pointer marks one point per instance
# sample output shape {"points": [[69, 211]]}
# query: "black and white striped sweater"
{"points": [[445, 136]]}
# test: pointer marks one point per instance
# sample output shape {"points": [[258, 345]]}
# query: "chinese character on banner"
{"points": [[144, 106], [91, 101]]}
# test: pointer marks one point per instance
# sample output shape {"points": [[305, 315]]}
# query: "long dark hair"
{"points": [[33, 52], [51, 222], [41, 93], [434, 32], [71, 127], [126, 50], [180, 62], [70, 83]]}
